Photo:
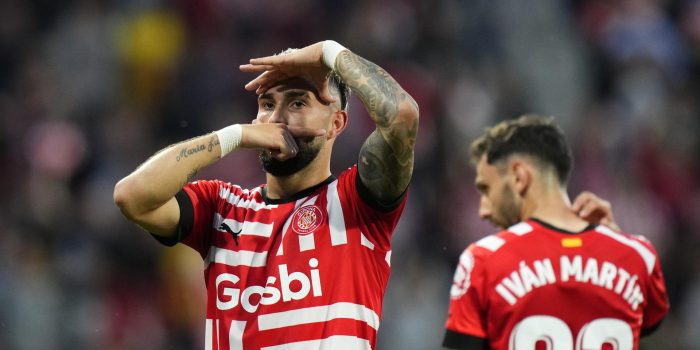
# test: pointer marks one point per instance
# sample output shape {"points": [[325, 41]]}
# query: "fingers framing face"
{"points": [[265, 81], [303, 63]]}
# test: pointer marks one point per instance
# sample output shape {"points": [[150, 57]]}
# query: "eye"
{"points": [[266, 105], [298, 104]]}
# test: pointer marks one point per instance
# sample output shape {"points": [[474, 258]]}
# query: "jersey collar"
{"points": [[296, 196], [554, 228]]}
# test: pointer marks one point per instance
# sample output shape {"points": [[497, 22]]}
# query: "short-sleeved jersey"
{"points": [[308, 272], [534, 284]]}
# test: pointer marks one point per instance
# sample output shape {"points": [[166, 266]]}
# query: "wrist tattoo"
{"points": [[186, 152], [213, 141]]}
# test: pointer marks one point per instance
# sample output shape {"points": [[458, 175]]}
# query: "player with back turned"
{"points": [[301, 262], [550, 279]]}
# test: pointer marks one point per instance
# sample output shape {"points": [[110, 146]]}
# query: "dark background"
{"points": [[90, 89]]}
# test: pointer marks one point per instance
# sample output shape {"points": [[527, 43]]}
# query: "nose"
{"points": [[278, 116], [484, 209]]}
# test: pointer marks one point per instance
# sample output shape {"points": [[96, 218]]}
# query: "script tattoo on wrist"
{"points": [[186, 152], [213, 141]]}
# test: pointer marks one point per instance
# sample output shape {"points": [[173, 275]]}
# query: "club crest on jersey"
{"points": [[306, 219]]}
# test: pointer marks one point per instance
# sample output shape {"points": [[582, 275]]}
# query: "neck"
{"points": [[314, 173], [552, 206]]}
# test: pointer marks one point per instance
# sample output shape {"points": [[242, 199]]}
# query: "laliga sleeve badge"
{"points": [[462, 277], [306, 219]]}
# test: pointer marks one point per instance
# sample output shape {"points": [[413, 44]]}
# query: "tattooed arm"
{"points": [[147, 196], [386, 158]]}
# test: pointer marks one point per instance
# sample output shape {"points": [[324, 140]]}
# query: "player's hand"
{"points": [[594, 210], [306, 63], [277, 138]]}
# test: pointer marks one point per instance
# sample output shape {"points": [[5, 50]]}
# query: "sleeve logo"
{"points": [[462, 277], [306, 219]]}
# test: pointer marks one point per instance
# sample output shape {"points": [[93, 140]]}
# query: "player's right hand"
{"points": [[594, 209], [306, 63], [277, 138]]}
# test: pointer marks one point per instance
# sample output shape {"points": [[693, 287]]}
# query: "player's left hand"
{"points": [[594, 210], [306, 63]]}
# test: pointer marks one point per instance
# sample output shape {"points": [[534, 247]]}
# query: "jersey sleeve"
{"points": [[467, 311], [376, 220], [657, 300], [198, 201]]}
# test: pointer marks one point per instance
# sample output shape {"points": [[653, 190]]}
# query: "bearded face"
{"points": [[308, 151], [506, 210], [499, 202]]}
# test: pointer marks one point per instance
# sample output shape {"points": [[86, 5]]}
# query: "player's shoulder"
{"points": [[625, 238], [493, 243], [227, 191], [348, 174], [637, 243]]}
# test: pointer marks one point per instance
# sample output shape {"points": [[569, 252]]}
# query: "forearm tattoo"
{"points": [[188, 151], [386, 157]]}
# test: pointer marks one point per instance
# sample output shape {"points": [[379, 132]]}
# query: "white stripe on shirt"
{"points": [[240, 202], [646, 254], [235, 335], [246, 227], [336, 218], [318, 314], [236, 258], [336, 342]]}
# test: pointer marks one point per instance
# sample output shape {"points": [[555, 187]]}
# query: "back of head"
{"points": [[529, 135]]}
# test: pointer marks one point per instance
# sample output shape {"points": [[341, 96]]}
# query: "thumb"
{"points": [[324, 91]]}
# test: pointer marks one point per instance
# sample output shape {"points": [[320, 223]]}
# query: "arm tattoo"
{"points": [[375, 87], [186, 152], [386, 158]]}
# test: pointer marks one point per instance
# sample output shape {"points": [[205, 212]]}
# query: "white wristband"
{"points": [[331, 49], [229, 138]]}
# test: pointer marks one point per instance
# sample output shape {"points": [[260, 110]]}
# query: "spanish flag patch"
{"points": [[571, 242]]}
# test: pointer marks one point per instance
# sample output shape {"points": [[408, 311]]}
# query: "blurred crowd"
{"points": [[89, 89]]}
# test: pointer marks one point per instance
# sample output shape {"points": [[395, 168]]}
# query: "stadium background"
{"points": [[89, 89]]}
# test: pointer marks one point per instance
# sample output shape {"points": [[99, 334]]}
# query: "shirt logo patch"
{"points": [[306, 219]]}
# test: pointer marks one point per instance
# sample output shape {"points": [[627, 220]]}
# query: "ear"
{"points": [[522, 176], [339, 121]]}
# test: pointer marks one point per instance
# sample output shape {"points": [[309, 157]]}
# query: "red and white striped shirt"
{"points": [[534, 284], [305, 273]]}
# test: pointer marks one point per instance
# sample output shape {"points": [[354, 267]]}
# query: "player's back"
{"points": [[536, 284]]}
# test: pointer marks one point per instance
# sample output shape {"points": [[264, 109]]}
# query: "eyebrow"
{"points": [[296, 93], [291, 93]]}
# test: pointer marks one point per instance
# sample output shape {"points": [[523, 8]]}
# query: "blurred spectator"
{"points": [[89, 88]]}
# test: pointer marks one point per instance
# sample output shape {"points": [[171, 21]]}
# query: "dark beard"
{"points": [[308, 150], [508, 214]]}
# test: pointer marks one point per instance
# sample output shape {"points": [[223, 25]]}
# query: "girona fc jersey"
{"points": [[305, 273], [536, 287]]}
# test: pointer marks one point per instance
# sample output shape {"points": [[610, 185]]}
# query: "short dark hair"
{"points": [[343, 89], [531, 135]]}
